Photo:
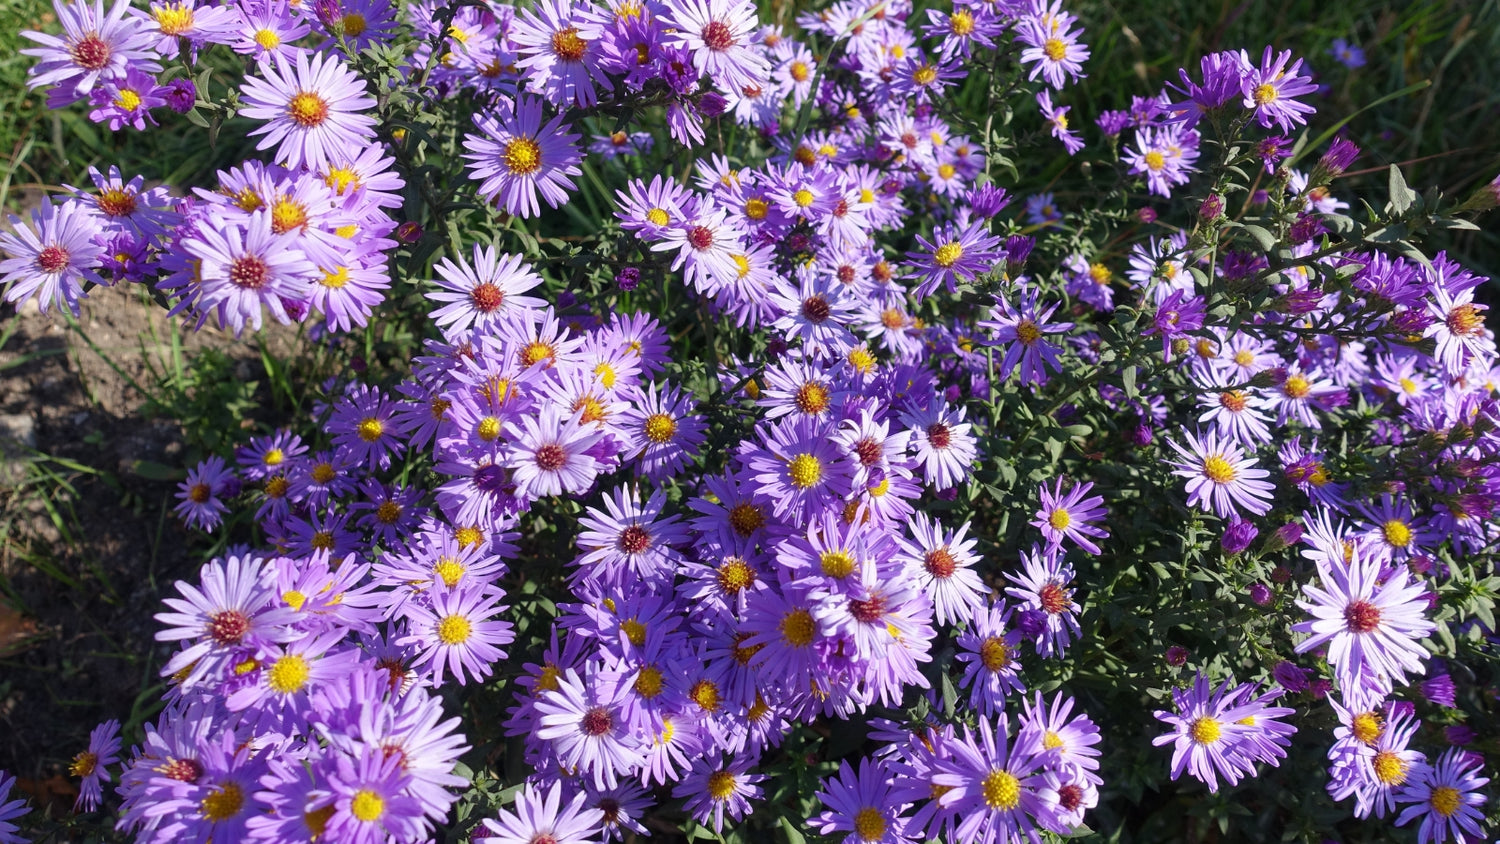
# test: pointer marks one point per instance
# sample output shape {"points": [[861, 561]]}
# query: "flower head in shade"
{"points": [[1271, 87], [715, 788], [312, 109], [1449, 798], [1370, 619], [1022, 329], [1058, 118], [863, 806], [9, 811], [539, 815], [1068, 515], [94, 44], [243, 269], [198, 497], [127, 100], [54, 257], [92, 765], [1347, 54], [1043, 587], [721, 35], [515, 158], [460, 631], [1220, 476], [482, 293]]}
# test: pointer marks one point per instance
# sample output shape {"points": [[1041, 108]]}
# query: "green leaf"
{"points": [[793, 835], [153, 471], [1402, 197], [1263, 237]]}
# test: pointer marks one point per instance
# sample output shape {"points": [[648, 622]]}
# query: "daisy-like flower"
{"points": [[996, 793], [721, 36], [542, 816], [515, 159], [714, 789], [94, 44], [198, 504], [1165, 156], [232, 611], [1269, 89], [943, 442], [991, 648], [9, 811], [799, 470], [1058, 118], [460, 631], [54, 257], [1052, 47], [952, 256], [1205, 732], [663, 434], [370, 800], [941, 563], [1042, 587], [1024, 328], [312, 109], [863, 806], [1067, 515], [482, 293], [1449, 798], [1220, 476], [1458, 326], [243, 269], [1370, 619], [93, 764], [586, 732], [558, 41], [549, 453]]}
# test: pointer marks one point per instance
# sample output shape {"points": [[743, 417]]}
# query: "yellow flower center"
{"points": [[84, 764], [803, 198], [836, 564], [1205, 730], [948, 254], [289, 674], [735, 576], [804, 470], [869, 824], [370, 429], [797, 628], [128, 100], [1445, 800], [174, 19], [448, 570], [222, 803], [293, 599], [660, 428], [756, 209], [454, 630], [1051, 740], [1001, 790], [336, 279], [523, 156], [1218, 470], [1396, 533], [1155, 161], [1054, 49], [355, 24], [1265, 92], [1296, 387], [961, 22], [720, 785], [267, 39], [994, 653], [658, 217], [1390, 769], [1027, 332], [489, 429], [366, 805], [1366, 727], [648, 683], [307, 109], [1059, 520]]}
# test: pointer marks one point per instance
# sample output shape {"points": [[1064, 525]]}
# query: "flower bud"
{"points": [[409, 232], [1211, 209], [1261, 594], [1177, 656], [1238, 536], [628, 279], [1285, 537], [1146, 215]]}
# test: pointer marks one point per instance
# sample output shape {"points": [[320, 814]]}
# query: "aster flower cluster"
{"points": [[897, 494]]}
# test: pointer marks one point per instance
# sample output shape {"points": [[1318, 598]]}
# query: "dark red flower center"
{"points": [[551, 457], [939, 435], [52, 259], [700, 237], [868, 451], [940, 563], [596, 722], [487, 297], [611, 809], [841, 208], [867, 611], [228, 627], [1070, 797], [91, 52], [1362, 616], [816, 308], [634, 539], [718, 36], [182, 770], [846, 274], [249, 272]]}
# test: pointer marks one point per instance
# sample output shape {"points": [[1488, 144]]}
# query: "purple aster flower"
{"points": [[1375, 768], [9, 811], [483, 293], [233, 611], [721, 35], [460, 630], [370, 801], [1179, 313], [549, 453], [559, 45], [312, 109], [863, 805], [629, 542], [121, 101], [715, 788], [1058, 118], [1042, 587], [943, 443], [1290, 676], [1269, 89], [941, 562], [798, 468], [1458, 326], [54, 257], [1024, 328], [198, 496], [991, 650], [996, 792], [1449, 798], [952, 256], [1222, 73], [1238, 536], [1067, 515], [515, 159], [663, 434], [1206, 733], [1165, 156], [1438, 689], [365, 428], [94, 45], [1052, 47], [92, 765], [586, 731], [1220, 476], [247, 266], [1058, 740], [542, 816], [1347, 54], [1370, 620]]}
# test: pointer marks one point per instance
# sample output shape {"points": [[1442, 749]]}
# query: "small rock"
{"points": [[80, 417], [19, 427], [29, 307]]}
